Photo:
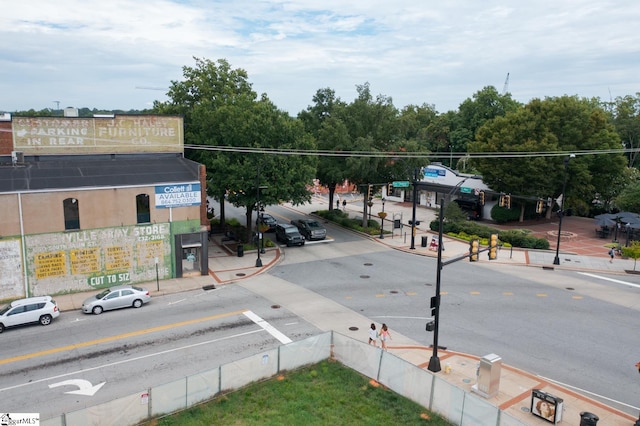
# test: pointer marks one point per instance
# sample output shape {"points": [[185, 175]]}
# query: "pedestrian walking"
{"points": [[384, 336], [344, 204], [611, 254], [373, 335]]}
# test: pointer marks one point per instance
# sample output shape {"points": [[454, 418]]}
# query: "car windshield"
{"points": [[313, 224], [5, 309], [292, 231], [103, 294]]}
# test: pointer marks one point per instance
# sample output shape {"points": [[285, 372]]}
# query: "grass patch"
{"points": [[323, 394]]}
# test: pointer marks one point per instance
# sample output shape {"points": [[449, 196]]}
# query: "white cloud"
{"points": [[95, 54]]}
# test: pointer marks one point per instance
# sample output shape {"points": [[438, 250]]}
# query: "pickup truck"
{"points": [[311, 229]]}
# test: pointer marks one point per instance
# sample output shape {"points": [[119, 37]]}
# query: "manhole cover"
{"points": [[240, 274], [365, 276], [209, 287], [429, 285], [353, 328], [524, 409], [275, 306], [368, 264], [570, 288], [394, 292]]}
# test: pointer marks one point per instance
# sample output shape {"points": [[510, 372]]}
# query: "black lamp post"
{"points": [[413, 217], [556, 260], [382, 216], [260, 235], [258, 188], [434, 361]]}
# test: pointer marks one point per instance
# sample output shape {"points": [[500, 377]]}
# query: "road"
{"points": [[131, 350], [577, 329]]}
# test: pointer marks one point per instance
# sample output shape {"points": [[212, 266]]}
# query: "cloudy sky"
{"points": [[123, 54]]}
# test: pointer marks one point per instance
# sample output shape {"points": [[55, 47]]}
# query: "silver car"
{"points": [[123, 296]]}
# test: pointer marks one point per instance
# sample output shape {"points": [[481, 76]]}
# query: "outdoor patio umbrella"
{"points": [[602, 220]]}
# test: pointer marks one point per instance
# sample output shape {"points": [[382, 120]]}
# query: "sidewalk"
{"points": [[515, 385]]}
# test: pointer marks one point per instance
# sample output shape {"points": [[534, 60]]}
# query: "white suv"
{"points": [[41, 310]]}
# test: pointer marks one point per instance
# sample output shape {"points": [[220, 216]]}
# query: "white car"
{"points": [[42, 309], [123, 296]]}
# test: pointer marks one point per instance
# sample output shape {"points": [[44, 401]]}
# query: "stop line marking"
{"points": [[613, 280]]}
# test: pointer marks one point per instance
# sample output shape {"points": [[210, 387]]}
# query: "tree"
{"points": [[240, 138], [331, 134], [629, 198], [633, 252], [554, 125], [626, 119]]}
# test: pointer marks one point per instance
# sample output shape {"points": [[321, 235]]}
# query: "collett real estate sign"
{"points": [[181, 195]]}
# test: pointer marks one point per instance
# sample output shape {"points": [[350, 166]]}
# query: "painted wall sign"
{"points": [[119, 134], [178, 195], [87, 259]]}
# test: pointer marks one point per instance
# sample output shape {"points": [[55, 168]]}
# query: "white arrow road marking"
{"points": [[85, 386]]}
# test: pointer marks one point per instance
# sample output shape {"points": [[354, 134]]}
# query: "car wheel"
{"points": [[137, 303], [45, 319], [1, 328], [288, 243], [97, 310]]}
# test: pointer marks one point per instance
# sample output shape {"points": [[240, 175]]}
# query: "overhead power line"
{"points": [[404, 154]]}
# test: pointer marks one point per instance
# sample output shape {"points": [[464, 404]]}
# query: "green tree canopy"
{"points": [[557, 126], [240, 137]]}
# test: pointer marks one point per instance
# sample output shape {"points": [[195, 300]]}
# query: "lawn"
{"points": [[323, 394]]}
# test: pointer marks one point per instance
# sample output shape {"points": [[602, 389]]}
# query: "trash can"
{"points": [[588, 419], [424, 240], [240, 250]]}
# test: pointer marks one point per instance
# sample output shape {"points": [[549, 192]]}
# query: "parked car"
{"points": [[268, 220], [311, 229], [42, 309], [289, 234], [123, 296]]}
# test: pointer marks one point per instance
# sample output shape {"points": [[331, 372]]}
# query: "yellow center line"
{"points": [[117, 337]]}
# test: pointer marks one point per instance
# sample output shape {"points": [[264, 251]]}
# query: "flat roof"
{"points": [[57, 172]]}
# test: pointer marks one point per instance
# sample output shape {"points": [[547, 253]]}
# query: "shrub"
{"points": [[504, 215], [473, 230]]}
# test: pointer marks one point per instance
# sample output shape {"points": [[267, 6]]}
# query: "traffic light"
{"points": [[481, 197], [369, 192], [474, 246], [507, 201], [389, 189], [540, 206], [493, 247], [501, 202]]}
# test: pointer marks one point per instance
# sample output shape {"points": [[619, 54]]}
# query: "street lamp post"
{"points": [[260, 230], [382, 216], [413, 217], [258, 188], [434, 361], [556, 260]]}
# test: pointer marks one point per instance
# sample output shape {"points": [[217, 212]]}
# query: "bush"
{"points": [[473, 230], [504, 215]]}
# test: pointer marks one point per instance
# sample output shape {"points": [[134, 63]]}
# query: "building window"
{"points": [[71, 214], [142, 208]]}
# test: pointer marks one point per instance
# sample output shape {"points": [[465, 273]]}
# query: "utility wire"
{"points": [[404, 154]]}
